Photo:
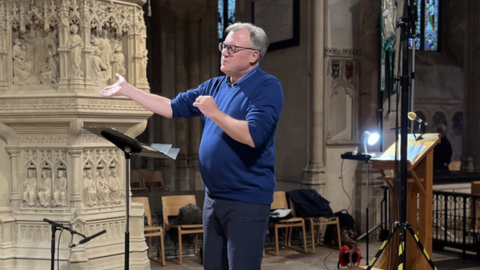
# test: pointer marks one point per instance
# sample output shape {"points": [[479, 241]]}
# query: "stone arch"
{"points": [[457, 123], [8, 135], [438, 118]]}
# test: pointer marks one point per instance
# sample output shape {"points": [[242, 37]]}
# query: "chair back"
{"points": [[153, 177], [146, 208], [279, 200], [136, 178], [172, 204]]}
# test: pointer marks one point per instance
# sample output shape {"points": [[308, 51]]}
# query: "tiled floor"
{"points": [[324, 258]]}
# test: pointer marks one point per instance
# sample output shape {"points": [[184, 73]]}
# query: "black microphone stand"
{"points": [[407, 26], [55, 227]]}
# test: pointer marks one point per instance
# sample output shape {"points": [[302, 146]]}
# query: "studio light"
{"points": [[370, 139]]}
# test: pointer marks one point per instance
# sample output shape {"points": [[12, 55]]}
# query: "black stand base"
{"points": [[401, 248]]}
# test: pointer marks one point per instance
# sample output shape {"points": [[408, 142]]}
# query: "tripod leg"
{"points": [[420, 246], [401, 250], [382, 248]]}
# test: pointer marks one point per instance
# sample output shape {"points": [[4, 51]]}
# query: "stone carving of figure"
{"points": [[89, 190], [21, 68], [103, 191], [36, 50], [75, 46], [143, 67], [99, 68], [115, 186], [118, 60], [389, 22], [95, 42], [29, 188], [106, 51], [60, 190], [49, 71], [45, 188]]}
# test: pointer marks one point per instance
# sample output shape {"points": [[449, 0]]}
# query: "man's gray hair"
{"points": [[258, 38]]}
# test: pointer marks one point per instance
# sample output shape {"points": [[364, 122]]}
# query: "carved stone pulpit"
{"points": [[55, 57]]}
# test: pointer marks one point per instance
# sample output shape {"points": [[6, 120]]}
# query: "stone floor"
{"points": [[327, 259]]}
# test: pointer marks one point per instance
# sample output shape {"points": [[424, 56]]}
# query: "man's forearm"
{"points": [[236, 129], [154, 103]]}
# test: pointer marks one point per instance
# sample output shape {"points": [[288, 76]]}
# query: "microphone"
{"points": [[413, 116], [85, 240]]}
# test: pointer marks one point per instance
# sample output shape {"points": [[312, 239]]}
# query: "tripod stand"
{"points": [[398, 226], [416, 170]]}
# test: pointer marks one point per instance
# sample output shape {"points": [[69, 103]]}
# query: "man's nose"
{"points": [[225, 53]]}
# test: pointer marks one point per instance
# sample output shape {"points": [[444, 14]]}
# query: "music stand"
{"points": [[131, 146]]}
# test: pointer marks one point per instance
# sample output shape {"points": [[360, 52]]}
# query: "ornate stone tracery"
{"points": [[48, 93], [70, 45]]}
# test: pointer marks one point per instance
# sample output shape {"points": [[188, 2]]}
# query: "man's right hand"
{"points": [[115, 89]]}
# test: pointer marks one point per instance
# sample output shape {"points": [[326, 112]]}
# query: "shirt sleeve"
{"points": [[264, 111], [182, 104]]}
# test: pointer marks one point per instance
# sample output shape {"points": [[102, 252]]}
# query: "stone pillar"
{"points": [[314, 173], [49, 91]]}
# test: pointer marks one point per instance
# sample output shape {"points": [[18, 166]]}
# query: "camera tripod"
{"points": [[413, 175], [402, 228]]}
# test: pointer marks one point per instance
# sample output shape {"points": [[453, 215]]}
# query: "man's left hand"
{"points": [[206, 105]]}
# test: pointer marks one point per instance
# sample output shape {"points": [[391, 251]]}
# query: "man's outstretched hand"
{"points": [[115, 89]]}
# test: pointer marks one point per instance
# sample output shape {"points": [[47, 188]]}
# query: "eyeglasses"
{"points": [[231, 49]]}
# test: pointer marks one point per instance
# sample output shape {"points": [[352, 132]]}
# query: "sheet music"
{"points": [[412, 152]]}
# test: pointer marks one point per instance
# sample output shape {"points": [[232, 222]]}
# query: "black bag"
{"points": [[347, 231], [188, 214], [345, 220], [308, 203]]}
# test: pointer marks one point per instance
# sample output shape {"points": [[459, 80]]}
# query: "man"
{"points": [[240, 113], [442, 153]]}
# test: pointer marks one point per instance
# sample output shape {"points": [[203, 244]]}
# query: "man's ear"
{"points": [[255, 57]]}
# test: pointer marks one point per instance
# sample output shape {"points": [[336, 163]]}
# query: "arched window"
{"points": [[427, 25], [226, 9]]}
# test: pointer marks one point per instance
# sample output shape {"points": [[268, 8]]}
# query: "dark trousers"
{"points": [[233, 234]]}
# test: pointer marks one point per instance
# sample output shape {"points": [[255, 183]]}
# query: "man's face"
{"points": [[238, 64]]}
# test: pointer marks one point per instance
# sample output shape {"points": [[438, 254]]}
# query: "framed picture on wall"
{"points": [[281, 21]]}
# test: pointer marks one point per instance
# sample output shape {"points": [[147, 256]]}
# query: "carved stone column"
{"points": [[55, 57], [314, 173]]}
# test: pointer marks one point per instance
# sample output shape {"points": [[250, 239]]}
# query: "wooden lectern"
{"points": [[419, 199]]}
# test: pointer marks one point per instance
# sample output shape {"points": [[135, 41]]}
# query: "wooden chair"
{"points": [[170, 207], [280, 202], [153, 180], [136, 182], [318, 222], [151, 231]]}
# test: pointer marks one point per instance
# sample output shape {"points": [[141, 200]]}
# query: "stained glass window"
{"points": [[430, 25], [223, 9], [427, 25], [220, 19]]}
